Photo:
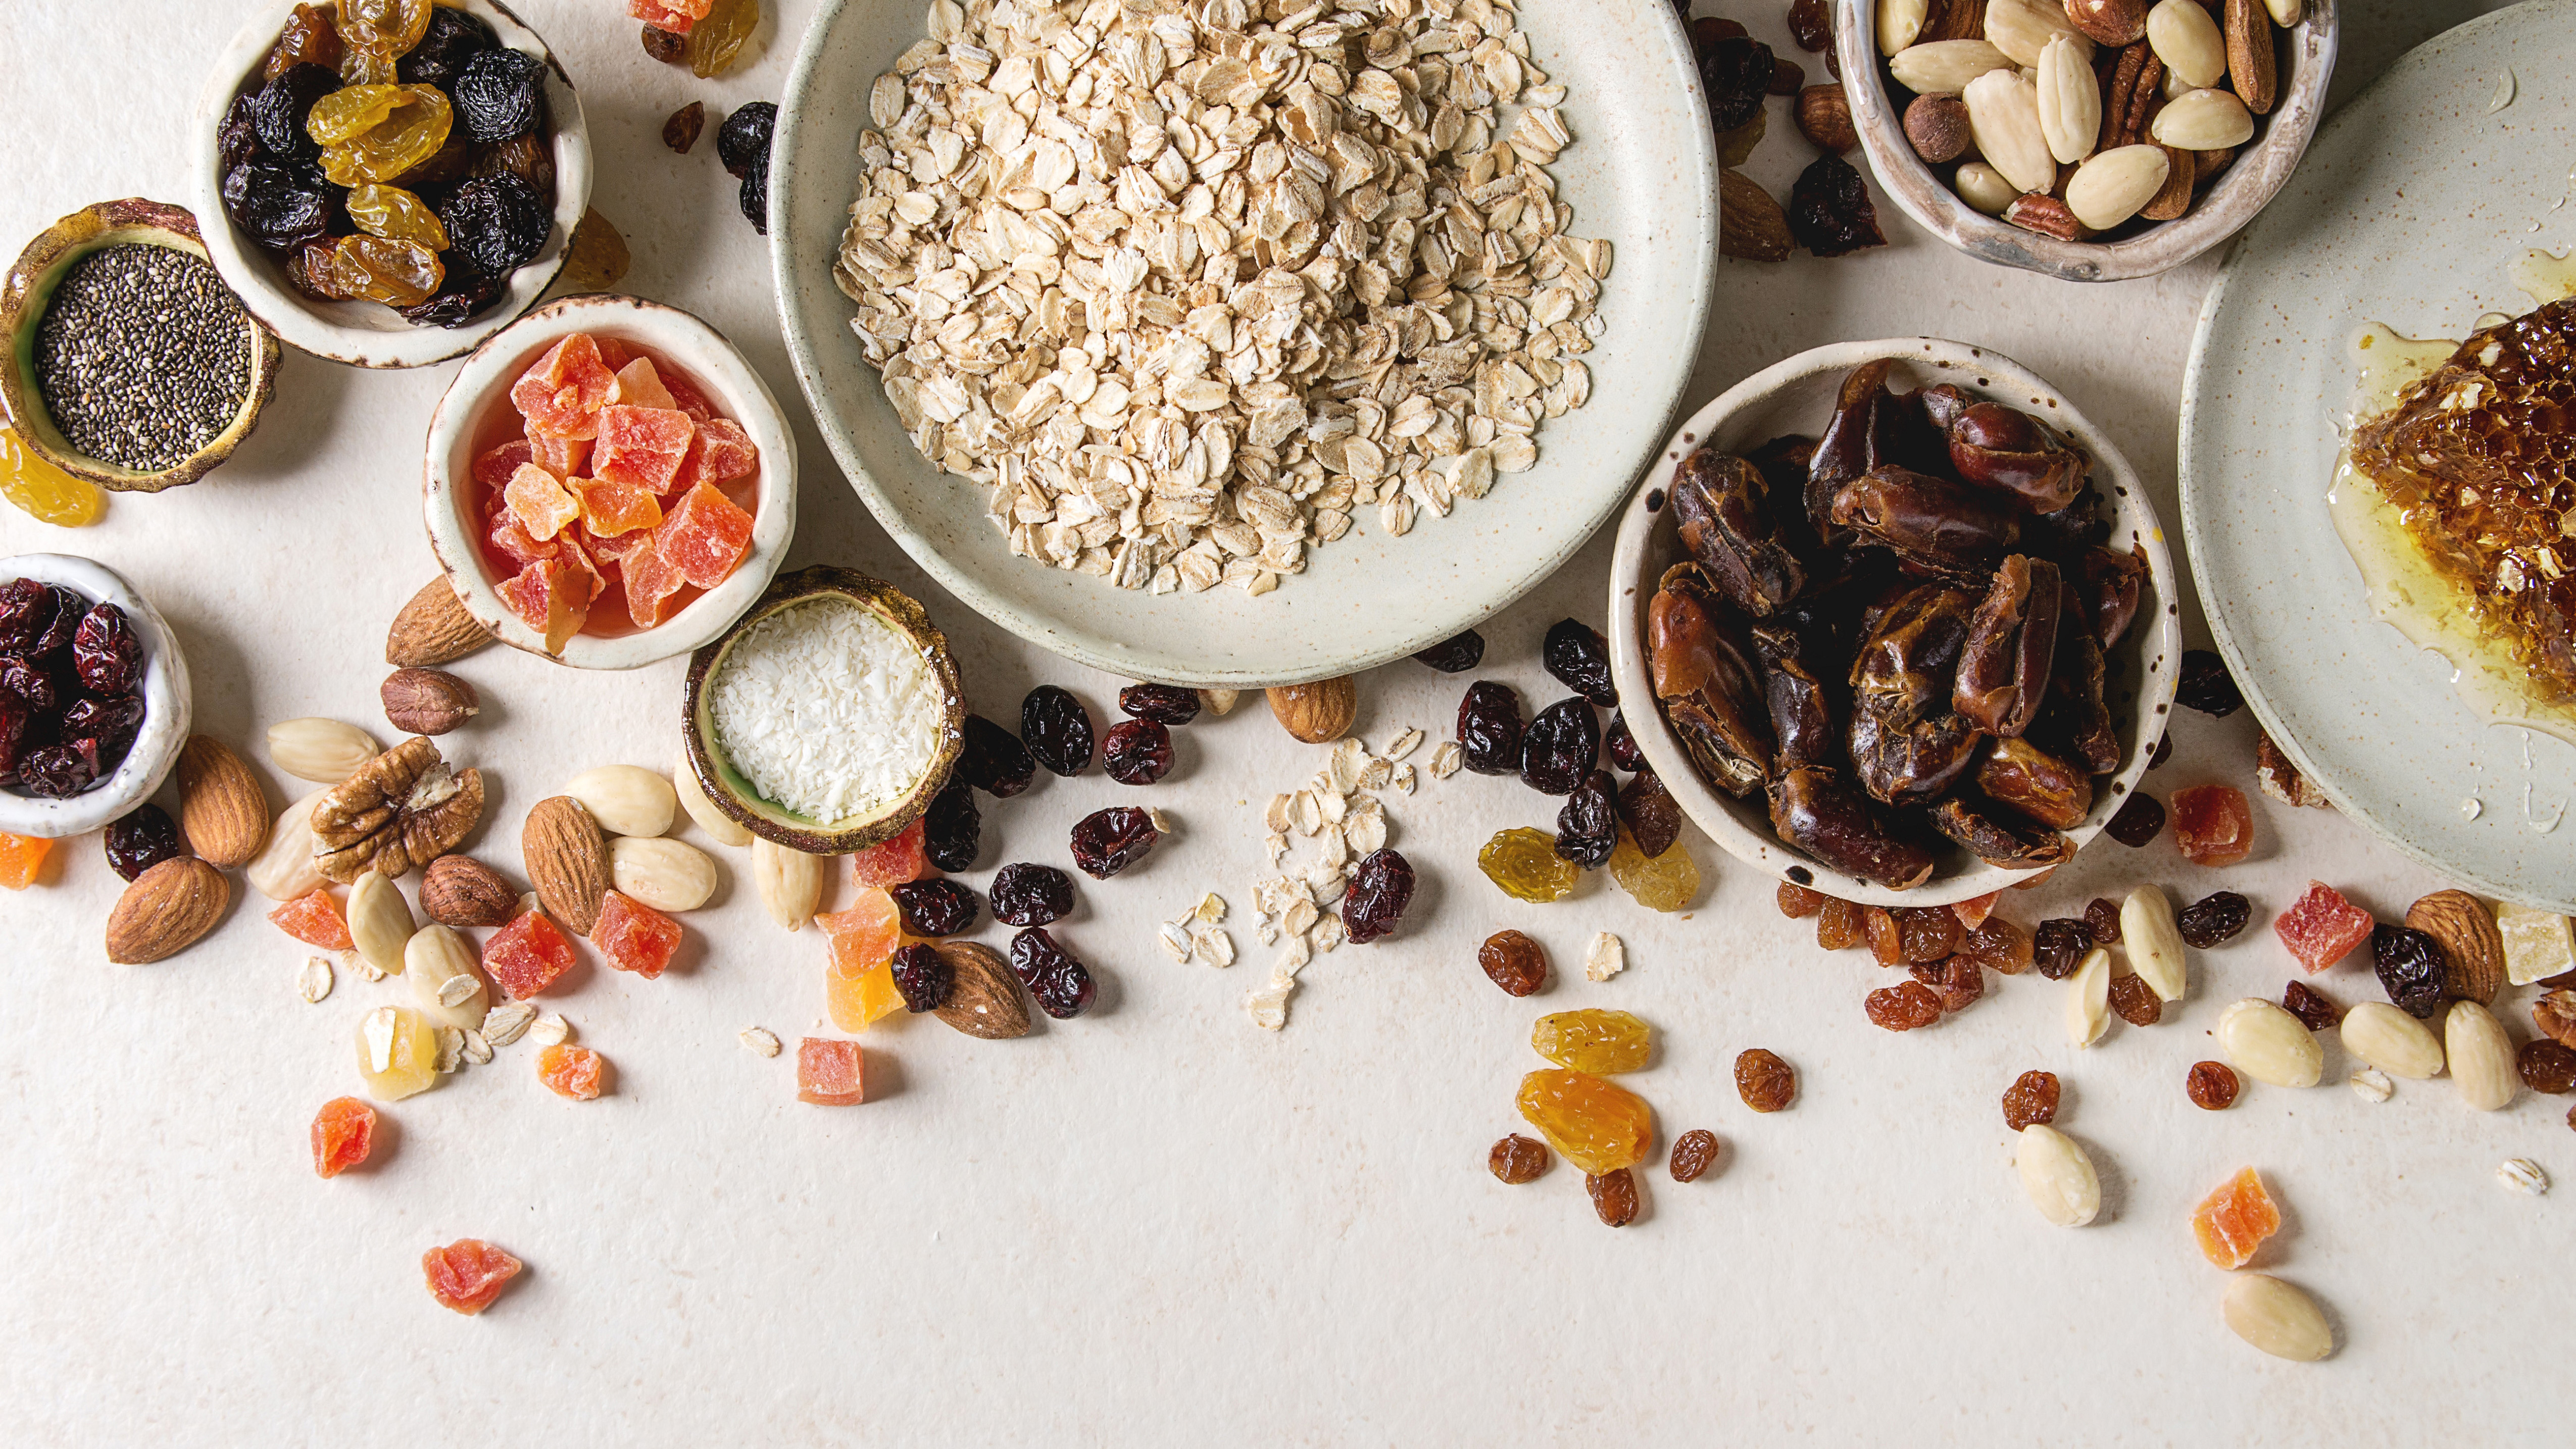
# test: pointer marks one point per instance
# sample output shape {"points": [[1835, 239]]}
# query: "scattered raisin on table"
{"points": [[141, 841], [1579, 657], [1456, 654], [742, 142], [1830, 212], [1764, 1081], [1839, 925], [1651, 813], [2312, 1007], [2135, 1001], [1514, 962], [952, 829], [1903, 1007], [1619, 747], [1878, 925], [2546, 1067], [2212, 1086], [2214, 919], [993, 760], [1057, 730], [923, 978], [1489, 728], [2031, 1098], [1162, 703], [1106, 842], [934, 907], [667, 48], [1998, 945], [2140, 818], [1523, 862], [1137, 751], [1516, 1159], [1958, 982], [1614, 1196], [1560, 747], [1058, 980], [1381, 887], [1912, 935], [2058, 947], [2411, 967], [680, 132], [2164, 751], [1797, 902], [1694, 1153], [2103, 916], [1587, 828], [2207, 686], [1811, 24], [1031, 895], [1735, 74]]}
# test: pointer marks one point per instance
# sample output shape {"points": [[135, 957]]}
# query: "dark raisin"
{"points": [[2103, 915], [2059, 945], [742, 142], [529, 157], [463, 295], [1106, 842], [1620, 747], [993, 760], [1517, 1159], [934, 907], [1031, 895], [453, 38], [112, 721], [2211, 1085], [1057, 730], [1764, 1081], [1736, 74], [664, 46], [1489, 728], [1162, 703], [2312, 1007], [141, 841], [2031, 1099], [57, 772], [58, 632], [33, 684], [237, 139], [496, 223], [275, 205], [2411, 966], [952, 829], [1137, 751], [105, 653], [1651, 813], [1587, 828], [2207, 686], [1513, 962], [283, 106], [1903, 1007], [680, 131], [498, 93], [1579, 657], [2213, 919], [1560, 747], [2134, 1001], [1060, 982], [1456, 654], [2140, 818], [2164, 752], [1381, 887], [1811, 24], [1830, 212], [1694, 1153], [1614, 1196], [2546, 1067], [1787, 77], [755, 200], [924, 978]]}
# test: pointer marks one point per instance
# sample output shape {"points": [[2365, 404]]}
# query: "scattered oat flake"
{"points": [[451, 1049], [1405, 744], [359, 966], [507, 1022], [1277, 816], [458, 989], [478, 1048], [1269, 1005], [313, 981], [1444, 760], [1328, 934], [1176, 942], [1266, 931], [1606, 957], [1376, 774], [1212, 946], [760, 1039], [2371, 1085], [1404, 780], [1275, 847], [1162, 823], [2523, 1175], [1211, 909], [549, 1029]]}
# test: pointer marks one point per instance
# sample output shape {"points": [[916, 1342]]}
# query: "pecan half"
{"points": [[402, 810]]}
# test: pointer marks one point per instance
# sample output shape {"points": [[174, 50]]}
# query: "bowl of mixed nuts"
{"points": [[2088, 139], [1906, 647]]}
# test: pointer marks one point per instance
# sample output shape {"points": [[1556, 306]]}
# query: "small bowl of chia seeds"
{"points": [[130, 363]]}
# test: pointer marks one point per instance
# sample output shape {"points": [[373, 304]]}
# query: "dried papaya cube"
{"points": [[2233, 1221], [642, 446], [493, 466], [674, 16], [720, 453], [551, 596], [540, 502], [650, 580], [613, 354], [893, 861], [571, 1071], [468, 1274], [2321, 927], [858, 997], [526, 955], [686, 397], [634, 936], [344, 1132], [1972, 913], [611, 508], [2213, 824], [612, 550], [562, 392], [704, 537], [866, 935], [21, 856], [830, 1073], [639, 384], [513, 543], [314, 920], [563, 457]]}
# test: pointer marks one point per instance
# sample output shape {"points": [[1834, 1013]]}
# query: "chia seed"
{"points": [[143, 356]]}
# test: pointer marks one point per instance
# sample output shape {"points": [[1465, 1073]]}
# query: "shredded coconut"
{"points": [[828, 710]]}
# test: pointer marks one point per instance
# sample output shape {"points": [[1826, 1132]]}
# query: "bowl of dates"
{"points": [[93, 696], [1907, 619], [387, 182]]}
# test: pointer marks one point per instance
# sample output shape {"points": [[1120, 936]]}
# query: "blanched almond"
{"points": [[2057, 1177], [2020, 28], [2270, 1045], [2003, 114], [2187, 40], [1944, 67], [2392, 1041], [325, 751], [2106, 191], [2481, 1056], [2147, 925], [2070, 109], [1984, 188], [2088, 999], [664, 874], [723, 829], [626, 799], [1899, 22], [2204, 120], [284, 867], [379, 921], [2286, 13], [790, 882], [445, 978], [2277, 1318]]}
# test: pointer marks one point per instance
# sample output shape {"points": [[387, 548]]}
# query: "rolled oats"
{"points": [[507, 1022], [313, 979], [759, 1039]]}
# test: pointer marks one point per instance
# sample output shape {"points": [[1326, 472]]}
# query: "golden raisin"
{"points": [[1903, 1007], [1513, 962], [1524, 863], [2212, 1085], [1597, 1125], [1999, 946], [1838, 925], [1517, 1159], [1665, 882], [1957, 982], [1603, 1043], [1694, 1153], [1764, 1081], [2031, 1098], [1614, 1196], [46, 493], [2135, 1001], [1798, 903], [2546, 1066]]}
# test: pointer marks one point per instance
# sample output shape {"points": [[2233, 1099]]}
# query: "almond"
{"points": [[790, 882], [2155, 942], [433, 629], [664, 874], [2471, 944], [2057, 1176], [1957, 20], [221, 806], [626, 799], [567, 860], [1750, 223], [2252, 68], [458, 890], [2203, 121], [2270, 1045], [285, 867], [324, 751], [2173, 198], [379, 921], [2003, 115], [1900, 22], [2111, 22], [2392, 1041], [2019, 28], [1825, 118], [445, 978], [1220, 702], [428, 701], [986, 1002], [2277, 1318], [2481, 1056], [1944, 67], [168, 909], [2070, 104], [723, 828], [2088, 999], [1322, 711]]}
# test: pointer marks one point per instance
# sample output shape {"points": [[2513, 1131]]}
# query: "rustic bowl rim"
{"points": [[2154, 641], [319, 328], [732, 383], [29, 287], [734, 801], [167, 705], [2251, 182]]}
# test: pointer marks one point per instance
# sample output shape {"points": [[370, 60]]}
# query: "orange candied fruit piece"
{"points": [[562, 392], [720, 453], [493, 466], [639, 385], [553, 597], [612, 508], [563, 457], [1972, 912], [650, 581], [865, 934], [344, 1131], [676, 16], [858, 998], [539, 501], [21, 856], [704, 536], [830, 1073], [468, 1274], [314, 920], [571, 1071], [526, 955], [2233, 1221], [634, 936], [642, 446], [2212, 824], [894, 861]]}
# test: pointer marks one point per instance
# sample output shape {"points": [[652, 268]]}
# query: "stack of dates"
{"points": [[1897, 632]]}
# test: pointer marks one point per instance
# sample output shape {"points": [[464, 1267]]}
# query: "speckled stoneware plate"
{"points": [[2416, 199], [1642, 172]]}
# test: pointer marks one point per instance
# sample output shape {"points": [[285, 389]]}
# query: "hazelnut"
{"points": [[1938, 127], [1824, 117], [461, 891], [1317, 713], [428, 701]]}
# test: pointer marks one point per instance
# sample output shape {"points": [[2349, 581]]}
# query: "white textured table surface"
{"points": [[1156, 1224]]}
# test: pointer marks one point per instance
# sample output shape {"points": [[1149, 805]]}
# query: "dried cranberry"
{"points": [[934, 907], [952, 829], [1456, 654], [13, 736], [1621, 746], [2213, 919], [2411, 966], [1106, 842], [1651, 813], [2207, 686], [1031, 895], [1057, 730], [58, 771], [105, 652], [2311, 1006], [2059, 946], [27, 607], [1381, 887], [111, 722], [1489, 728], [1061, 984], [993, 760], [2141, 818], [31, 682], [1830, 212], [1736, 74], [1163, 703], [141, 841], [924, 977], [1137, 752], [1587, 828], [1580, 659], [1560, 747]]}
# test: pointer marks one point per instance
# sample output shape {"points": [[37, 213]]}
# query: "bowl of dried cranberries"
{"points": [[93, 696], [388, 182]]}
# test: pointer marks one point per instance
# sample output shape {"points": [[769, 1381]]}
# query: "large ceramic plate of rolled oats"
{"points": [[1230, 342]]}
